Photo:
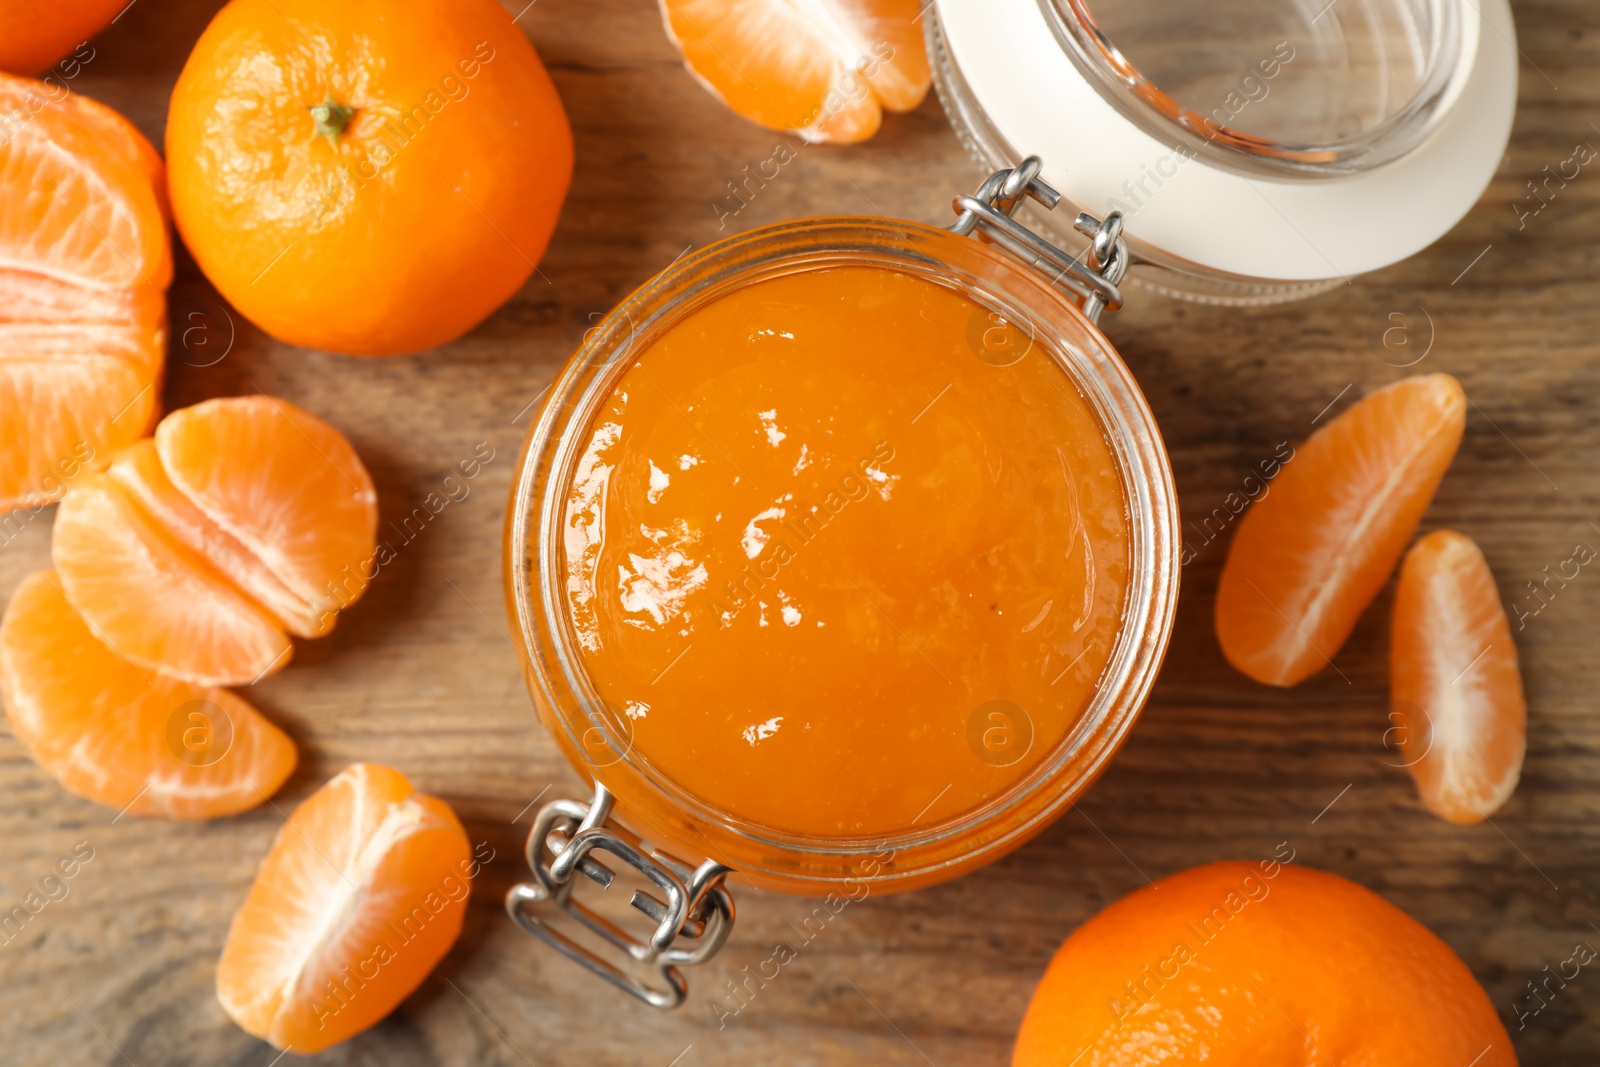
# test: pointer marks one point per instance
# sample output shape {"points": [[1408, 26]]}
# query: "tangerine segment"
{"points": [[84, 265], [123, 137], [824, 69], [138, 470], [82, 204], [1310, 555], [156, 602], [1455, 690], [286, 485], [1258, 965], [361, 895], [132, 740], [60, 417], [46, 318]]}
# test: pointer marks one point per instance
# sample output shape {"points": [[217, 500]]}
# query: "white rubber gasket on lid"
{"points": [[1290, 230]]}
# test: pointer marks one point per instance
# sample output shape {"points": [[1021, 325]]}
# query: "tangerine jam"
{"points": [[845, 554]]}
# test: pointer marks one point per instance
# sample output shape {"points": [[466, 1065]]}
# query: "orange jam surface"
{"points": [[838, 571]]}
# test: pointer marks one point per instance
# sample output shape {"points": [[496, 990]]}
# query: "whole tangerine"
{"points": [[366, 177], [32, 39], [1258, 965]]}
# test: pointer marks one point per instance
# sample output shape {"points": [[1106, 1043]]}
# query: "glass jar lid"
{"points": [[1275, 89], [1270, 147]]}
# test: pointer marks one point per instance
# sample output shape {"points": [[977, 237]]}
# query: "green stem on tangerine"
{"points": [[331, 117]]}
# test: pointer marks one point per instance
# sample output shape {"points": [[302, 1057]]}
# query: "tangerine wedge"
{"points": [[286, 485], [361, 895], [156, 602], [1455, 690], [1310, 554], [85, 261], [825, 69], [243, 518], [138, 470], [129, 739]]}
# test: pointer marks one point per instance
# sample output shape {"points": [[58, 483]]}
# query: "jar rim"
{"points": [[566, 696]]}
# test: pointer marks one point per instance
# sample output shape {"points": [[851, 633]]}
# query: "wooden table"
{"points": [[422, 675]]}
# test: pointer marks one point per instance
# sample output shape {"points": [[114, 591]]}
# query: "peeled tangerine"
{"points": [[361, 895], [85, 261], [825, 69], [1454, 686], [1310, 555], [244, 518], [131, 740]]}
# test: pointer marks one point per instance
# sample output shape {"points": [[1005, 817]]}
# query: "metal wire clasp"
{"points": [[691, 923], [988, 213]]}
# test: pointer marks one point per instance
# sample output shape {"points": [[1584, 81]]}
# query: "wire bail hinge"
{"points": [[1095, 280], [693, 912]]}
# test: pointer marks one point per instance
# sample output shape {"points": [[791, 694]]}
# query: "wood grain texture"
{"points": [[421, 675]]}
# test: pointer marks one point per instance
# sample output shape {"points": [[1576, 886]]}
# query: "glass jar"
{"points": [[1258, 152], [643, 817]]}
